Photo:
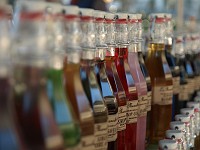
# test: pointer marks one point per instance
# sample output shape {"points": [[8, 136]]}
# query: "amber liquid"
{"points": [[33, 110], [109, 97], [119, 93], [160, 75], [79, 100], [94, 95], [126, 78]]}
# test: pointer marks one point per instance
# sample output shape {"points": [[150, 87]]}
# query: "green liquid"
{"points": [[64, 116]]}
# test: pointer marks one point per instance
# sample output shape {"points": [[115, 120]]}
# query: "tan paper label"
{"points": [[132, 111], [149, 96], [122, 117], [176, 85], [112, 127], [142, 105], [184, 94]]}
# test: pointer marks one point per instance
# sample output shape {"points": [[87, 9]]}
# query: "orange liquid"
{"points": [[160, 75]]}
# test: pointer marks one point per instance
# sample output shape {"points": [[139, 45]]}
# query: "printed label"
{"points": [[132, 111], [149, 96], [183, 95], [196, 83], [112, 127], [87, 142], [176, 85], [101, 136], [162, 95], [191, 86], [122, 117], [142, 105]]}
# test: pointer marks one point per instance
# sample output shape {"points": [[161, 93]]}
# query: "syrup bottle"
{"points": [[178, 49], [114, 79], [72, 80], [125, 75], [145, 73], [172, 62], [188, 66], [104, 83], [10, 137], [161, 79], [140, 82], [63, 112], [31, 103], [89, 80]]}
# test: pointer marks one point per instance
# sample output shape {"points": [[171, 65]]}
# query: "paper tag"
{"points": [[112, 127], [183, 95], [132, 111], [142, 105], [149, 96], [101, 136], [162, 95], [122, 117], [176, 85], [191, 85], [196, 83], [87, 142]]}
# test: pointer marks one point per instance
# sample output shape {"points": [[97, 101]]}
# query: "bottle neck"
{"points": [[111, 32], [122, 32], [100, 33]]}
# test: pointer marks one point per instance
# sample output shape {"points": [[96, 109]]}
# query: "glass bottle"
{"points": [[195, 106], [10, 137], [172, 62], [176, 135], [114, 79], [104, 83], [140, 83], [190, 113], [89, 80], [34, 115], [126, 77], [183, 97], [63, 112], [186, 120], [167, 144], [161, 79], [72, 80], [145, 74], [188, 67], [180, 126]]}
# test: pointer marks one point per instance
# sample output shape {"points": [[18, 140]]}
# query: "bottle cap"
{"points": [[187, 111], [194, 105], [133, 16], [168, 144], [174, 134], [99, 14], [182, 118], [31, 5], [87, 12], [73, 10], [110, 15], [139, 16], [177, 125], [157, 15], [122, 15]]}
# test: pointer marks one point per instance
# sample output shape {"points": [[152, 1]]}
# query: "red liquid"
{"points": [[142, 92], [119, 92], [128, 83], [34, 114]]}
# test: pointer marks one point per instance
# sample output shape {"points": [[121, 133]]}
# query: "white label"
{"points": [[87, 142], [191, 85], [112, 127], [149, 96], [101, 136], [132, 111], [142, 105], [122, 117], [176, 85], [162, 95], [184, 94], [196, 83]]}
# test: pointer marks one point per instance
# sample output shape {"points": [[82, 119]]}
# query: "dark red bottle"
{"points": [[125, 75]]}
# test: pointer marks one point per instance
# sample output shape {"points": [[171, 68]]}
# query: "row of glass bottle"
{"points": [[114, 87]]}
